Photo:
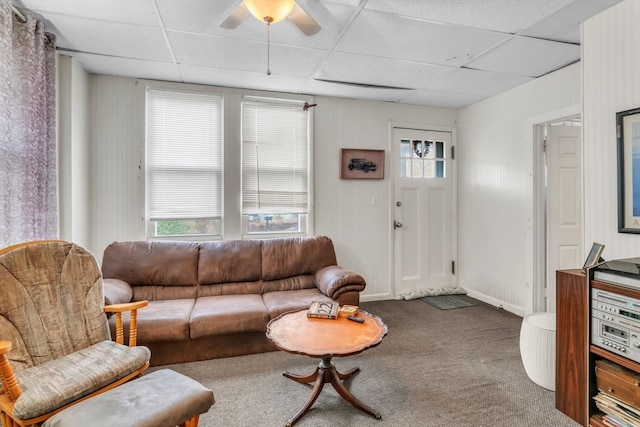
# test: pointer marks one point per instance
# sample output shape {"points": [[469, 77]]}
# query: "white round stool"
{"points": [[538, 348]]}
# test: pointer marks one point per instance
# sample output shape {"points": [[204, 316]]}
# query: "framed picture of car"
{"points": [[356, 163]]}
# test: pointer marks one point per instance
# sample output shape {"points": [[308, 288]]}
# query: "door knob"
{"points": [[396, 224]]}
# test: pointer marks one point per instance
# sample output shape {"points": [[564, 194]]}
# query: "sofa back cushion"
{"points": [[230, 267], [155, 270], [174, 270], [285, 260]]}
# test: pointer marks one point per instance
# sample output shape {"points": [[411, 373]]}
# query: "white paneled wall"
{"points": [[611, 67], [117, 141], [495, 188], [361, 230], [73, 152]]}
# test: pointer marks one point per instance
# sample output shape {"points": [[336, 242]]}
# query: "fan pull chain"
{"points": [[268, 20]]}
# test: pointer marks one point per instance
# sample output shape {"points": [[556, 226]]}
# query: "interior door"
{"points": [[564, 208], [423, 210]]}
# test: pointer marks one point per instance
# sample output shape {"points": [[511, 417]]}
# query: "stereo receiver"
{"points": [[615, 323]]}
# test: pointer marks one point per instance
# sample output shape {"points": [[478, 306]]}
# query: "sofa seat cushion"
{"points": [[228, 314], [166, 320], [283, 301], [53, 384]]}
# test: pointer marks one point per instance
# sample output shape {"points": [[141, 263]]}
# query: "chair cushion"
{"points": [[53, 384], [51, 301]]}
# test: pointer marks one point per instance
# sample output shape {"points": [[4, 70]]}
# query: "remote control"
{"points": [[356, 319]]}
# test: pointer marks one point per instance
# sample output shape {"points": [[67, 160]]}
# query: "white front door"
{"points": [[564, 209], [423, 210]]}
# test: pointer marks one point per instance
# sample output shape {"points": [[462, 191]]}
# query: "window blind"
{"points": [[184, 155], [275, 157]]}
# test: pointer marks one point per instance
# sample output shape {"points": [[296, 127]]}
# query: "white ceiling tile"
{"points": [[111, 65], [109, 38], [475, 82], [352, 3], [441, 99], [564, 25], [195, 16], [243, 55], [242, 79], [315, 87], [384, 35], [378, 71], [139, 12], [452, 52], [508, 16], [527, 56]]}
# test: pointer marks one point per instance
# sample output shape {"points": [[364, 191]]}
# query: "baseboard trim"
{"points": [[375, 297], [496, 302]]}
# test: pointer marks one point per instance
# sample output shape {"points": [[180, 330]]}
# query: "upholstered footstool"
{"points": [[162, 398]]}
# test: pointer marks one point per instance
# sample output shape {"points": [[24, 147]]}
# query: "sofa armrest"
{"points": [[334, 280], [116, 291]]}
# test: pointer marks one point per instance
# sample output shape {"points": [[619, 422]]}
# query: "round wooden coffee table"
{"points": [[294, 333]]}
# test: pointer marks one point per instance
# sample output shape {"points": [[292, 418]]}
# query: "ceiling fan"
{"points": [[271, 12]]}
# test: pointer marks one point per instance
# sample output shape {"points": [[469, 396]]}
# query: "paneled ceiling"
{"points": [[444, 53]]}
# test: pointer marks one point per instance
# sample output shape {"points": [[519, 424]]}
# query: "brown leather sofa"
{"points": [[214, 299]]}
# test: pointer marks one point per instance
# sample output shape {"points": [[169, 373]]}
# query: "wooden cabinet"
{"points": [[572, 344], [575, 356]]}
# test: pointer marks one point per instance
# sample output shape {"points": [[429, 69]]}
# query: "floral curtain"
{"points": [[28, 162]]}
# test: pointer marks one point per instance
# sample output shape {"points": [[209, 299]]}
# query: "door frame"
{"points": [[538, 236], [454, 194]]}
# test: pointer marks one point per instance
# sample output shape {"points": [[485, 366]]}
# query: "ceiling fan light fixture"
{"points": [[270, 11]]}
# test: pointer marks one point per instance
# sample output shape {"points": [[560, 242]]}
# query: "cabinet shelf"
{"points": [[622, 361]]}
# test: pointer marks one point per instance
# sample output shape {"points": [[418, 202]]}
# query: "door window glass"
{"points": [[422, 158]]}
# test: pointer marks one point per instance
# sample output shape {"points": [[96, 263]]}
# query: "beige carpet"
{"points": [[435, 368]]}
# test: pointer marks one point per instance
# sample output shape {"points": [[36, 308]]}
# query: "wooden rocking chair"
{"points": [[55, 344]]}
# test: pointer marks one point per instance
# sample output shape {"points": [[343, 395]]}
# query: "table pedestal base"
{"points": [[326, 372]]}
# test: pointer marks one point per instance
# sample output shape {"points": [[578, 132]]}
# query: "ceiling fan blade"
{"points": [[235, 17], [303, 21]]}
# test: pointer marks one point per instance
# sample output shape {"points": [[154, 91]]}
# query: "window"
{"points": [[275, 166], [184, 163], [422, 158], [261, 184]]}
